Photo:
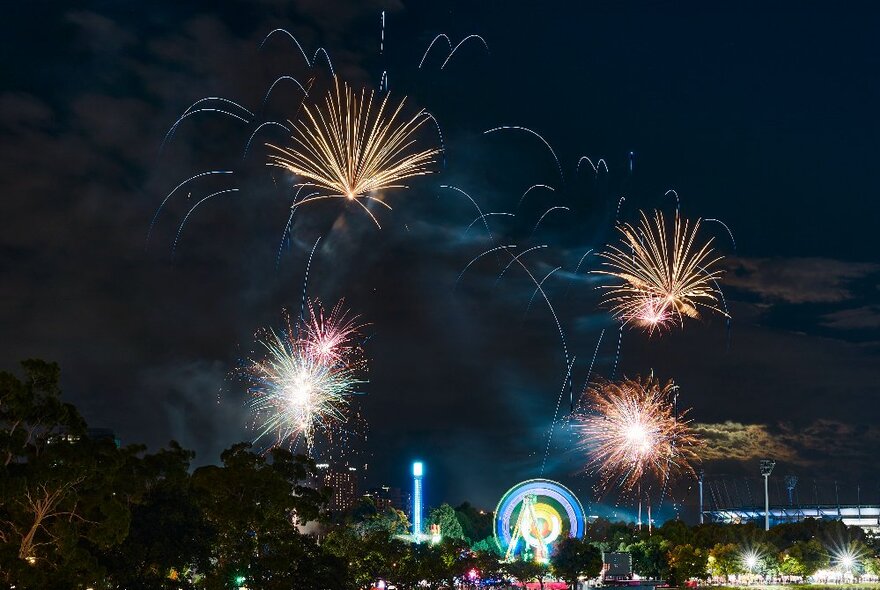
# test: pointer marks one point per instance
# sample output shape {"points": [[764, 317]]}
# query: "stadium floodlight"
{"points": [[767, 466]]}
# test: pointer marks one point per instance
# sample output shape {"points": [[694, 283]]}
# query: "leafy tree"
{"points": [[767, 560], [676, 532], [63, 496], [169, 538], [686, 562], [253, 504], [649, 557], [432, 565], [724, 560], [574, 558], [804, 558], [445, 516], [611, 536], [390, 520], [488, 545], [710, 534], [370, 557], [872, 566], [475, 524]]}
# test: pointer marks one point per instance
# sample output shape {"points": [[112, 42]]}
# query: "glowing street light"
{"points": [[845, 559]]}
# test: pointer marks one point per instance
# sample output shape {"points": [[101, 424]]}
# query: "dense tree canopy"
{"points": [[79, 511]]}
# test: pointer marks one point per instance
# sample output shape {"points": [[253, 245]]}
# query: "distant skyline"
{"points": [[761, 116]]}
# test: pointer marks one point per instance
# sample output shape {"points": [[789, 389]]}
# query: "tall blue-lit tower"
{"points": [[417, 471]]}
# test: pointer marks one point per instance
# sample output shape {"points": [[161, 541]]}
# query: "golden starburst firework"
{"points": [[350, 148], [665, 275], [631, 430]]}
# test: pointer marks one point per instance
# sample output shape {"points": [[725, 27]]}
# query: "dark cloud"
{"points": [[860, 318], [798, 280], [742, 442]]}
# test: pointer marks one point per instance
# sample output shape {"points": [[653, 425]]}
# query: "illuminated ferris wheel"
{"points": [[533, 515]]}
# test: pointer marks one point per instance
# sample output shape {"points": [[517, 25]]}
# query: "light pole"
{"points": [[700, 480], [766, 468]]}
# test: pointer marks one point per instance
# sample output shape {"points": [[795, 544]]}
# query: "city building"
{"points": [[343, 480]]}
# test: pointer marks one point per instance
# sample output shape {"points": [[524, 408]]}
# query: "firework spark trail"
{"points": [[430, 45], [473, 202], [483, 218], [528, 190], [576, 269], [194, 207], [592, 363], [250, 140], [302, 309], [351, 150], [550, 210], [174, 190], [595, 167], [383, 80], [535, 292], [191, 110], [549, 305], [326, 57], [619, 203], [292, 38], [218, 99], [674, 193], [631, 431], [285, 234], [663, 275], [556, 414], [617, 354], [724, 225], [515, 259], [431, 116], [382, 35], [189, 114], [275, 83], [571, 416], [536, 134], [460, 43], [489, 251]]}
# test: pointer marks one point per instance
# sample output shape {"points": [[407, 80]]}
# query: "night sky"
{"points": [[762, 116]]}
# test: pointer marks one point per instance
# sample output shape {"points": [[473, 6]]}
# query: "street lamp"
{"points": [[766, 468]]}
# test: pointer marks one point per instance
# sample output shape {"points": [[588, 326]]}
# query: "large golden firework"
{"points": [[631, 431], [350, 148], [665, 275]]}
